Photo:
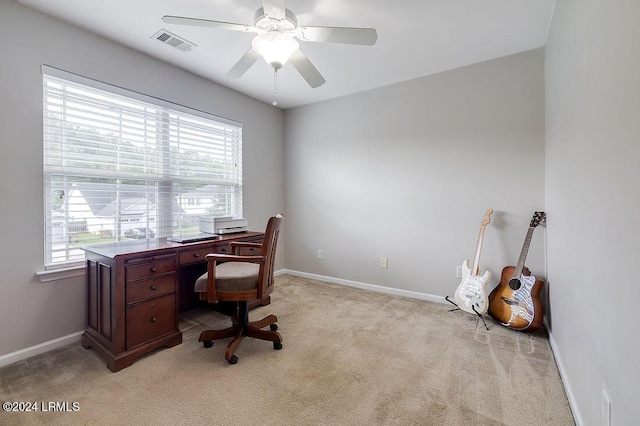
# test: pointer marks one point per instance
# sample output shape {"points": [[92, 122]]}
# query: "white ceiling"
{"points": [[415, 38]]}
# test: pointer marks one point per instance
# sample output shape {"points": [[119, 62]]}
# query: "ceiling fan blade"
{"points": [[363, 36], [243, 65], [274, 9], [196, 22], [306, 69]]}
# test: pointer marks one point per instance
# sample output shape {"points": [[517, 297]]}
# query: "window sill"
{"points": [[60, 274]]}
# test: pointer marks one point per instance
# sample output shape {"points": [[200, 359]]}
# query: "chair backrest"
{"points": [[269, 245]]}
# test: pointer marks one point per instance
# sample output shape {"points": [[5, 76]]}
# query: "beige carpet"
{"points": [[350, 357]]}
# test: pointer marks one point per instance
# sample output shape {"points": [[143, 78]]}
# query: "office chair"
{"points": [[241, 279]]}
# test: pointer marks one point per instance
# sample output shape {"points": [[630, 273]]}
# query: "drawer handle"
{"points": [[196, 255], [154, 270], [154, 288], [153, 319], [224, 250]]}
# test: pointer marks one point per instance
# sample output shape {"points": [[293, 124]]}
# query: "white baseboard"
{"points": [[365, 286], [563, 376], [39, 349]]}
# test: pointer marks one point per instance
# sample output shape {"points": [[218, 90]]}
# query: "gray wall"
{"points": [[32, 312], [593, 201], [407, 172]]}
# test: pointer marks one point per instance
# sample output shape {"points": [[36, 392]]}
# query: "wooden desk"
{"points": [[136, 288]]}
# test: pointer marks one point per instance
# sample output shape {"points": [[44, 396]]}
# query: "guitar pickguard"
{"points": [[522, 302], [471, 295]]}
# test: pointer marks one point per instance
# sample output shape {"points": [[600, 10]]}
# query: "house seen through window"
{"points": [[119, 165]]}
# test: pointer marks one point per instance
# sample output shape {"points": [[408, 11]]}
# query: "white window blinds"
{"points": [[119, 165]]}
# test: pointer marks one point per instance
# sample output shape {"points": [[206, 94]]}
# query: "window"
{"points": [[116, 160]]}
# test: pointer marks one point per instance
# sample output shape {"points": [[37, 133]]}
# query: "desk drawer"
{"points": [[146, 289], [250, 251], [151, 269], [148, 320], [197, 255]]}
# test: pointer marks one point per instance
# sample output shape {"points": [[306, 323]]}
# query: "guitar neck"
{"points": [[523, 254], [475, 270]]}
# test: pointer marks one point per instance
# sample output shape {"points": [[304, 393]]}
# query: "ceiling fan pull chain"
{"points": [[275, 87]]}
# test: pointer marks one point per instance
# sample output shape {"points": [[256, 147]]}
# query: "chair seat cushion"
{"points": [[232, 276]]}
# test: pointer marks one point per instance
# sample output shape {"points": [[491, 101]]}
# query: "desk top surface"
{"points": [[158, 245]]}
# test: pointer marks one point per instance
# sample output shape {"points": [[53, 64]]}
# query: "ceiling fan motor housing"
{"points": [[267, 23]]}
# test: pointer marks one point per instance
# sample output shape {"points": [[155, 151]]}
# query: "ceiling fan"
{"points": [[277, 29]]}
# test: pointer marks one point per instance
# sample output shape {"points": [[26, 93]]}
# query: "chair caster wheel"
{"points": [[277, 345], [273, 327], [233, 360], [207, 343]]}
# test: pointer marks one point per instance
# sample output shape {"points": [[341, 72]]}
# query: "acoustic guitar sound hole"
{"points": [[514, 284]]}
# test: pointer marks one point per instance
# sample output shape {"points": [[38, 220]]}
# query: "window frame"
{"points": [[163, 180]]}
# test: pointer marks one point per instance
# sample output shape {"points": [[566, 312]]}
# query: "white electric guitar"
{"points": [[471, 294]]}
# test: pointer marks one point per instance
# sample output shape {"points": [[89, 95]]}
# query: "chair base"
{"points": [[243, 327]]}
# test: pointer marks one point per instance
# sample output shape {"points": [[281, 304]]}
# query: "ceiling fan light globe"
{"points": [[275, 47]]}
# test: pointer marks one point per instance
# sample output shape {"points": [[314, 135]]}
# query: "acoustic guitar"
{"points": [[471, 294], [515, 302]]}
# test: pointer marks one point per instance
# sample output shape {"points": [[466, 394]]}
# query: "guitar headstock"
{"points": [[486, 218], [537, 219]]}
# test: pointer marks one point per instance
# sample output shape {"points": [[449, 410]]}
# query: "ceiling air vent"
{"points": [[173, 40]]}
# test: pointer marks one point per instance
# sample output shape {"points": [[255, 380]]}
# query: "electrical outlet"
{"points": [[319, 254], [458, 271], [384, 262], [606, 409]]}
